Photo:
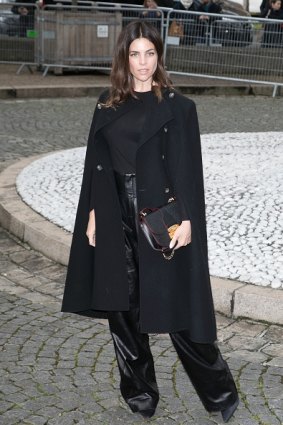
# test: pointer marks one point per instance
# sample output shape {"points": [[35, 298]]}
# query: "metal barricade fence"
{"points": [[85, 37], [145, 11], [18, 33], [226, 47]]}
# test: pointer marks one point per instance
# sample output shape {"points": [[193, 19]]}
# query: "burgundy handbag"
{"points": [[159, 225]]}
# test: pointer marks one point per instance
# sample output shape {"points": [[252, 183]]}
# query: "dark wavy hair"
{"points": [[122, 86]]}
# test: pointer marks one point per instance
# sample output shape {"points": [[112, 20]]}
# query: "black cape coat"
{"points": [[175, 294]]}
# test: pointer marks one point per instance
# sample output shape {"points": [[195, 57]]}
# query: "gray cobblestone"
{"points": [[71, 395], [20, 121]]}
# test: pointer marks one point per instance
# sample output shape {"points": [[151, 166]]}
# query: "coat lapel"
{"points": [[108, 115], [156, 117]]}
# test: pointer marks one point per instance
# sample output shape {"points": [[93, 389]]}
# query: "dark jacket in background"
{"points": [[265, 7], [273, 32]]}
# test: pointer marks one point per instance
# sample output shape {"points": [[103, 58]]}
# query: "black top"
{"points": [[123, 134]]}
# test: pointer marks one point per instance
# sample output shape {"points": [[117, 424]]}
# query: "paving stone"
{"points": [[274, 333], [8, 266], [247, 356], [5, 405], [17, 275], [15, 415], [20, 257], [275, 350], [276, 361], [35, 420]]}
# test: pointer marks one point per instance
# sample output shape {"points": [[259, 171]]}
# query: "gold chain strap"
{"points": [[168, 256]]}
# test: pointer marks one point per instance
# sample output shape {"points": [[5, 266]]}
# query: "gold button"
{"points": [[165, 129], [166, 190], [99, 167], [99, 106], [171, 95]]}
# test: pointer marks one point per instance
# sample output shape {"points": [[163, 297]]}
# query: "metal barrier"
{"points": [[18, 36], [151, 13], [85, 37], [226, 47], [217, 46]]}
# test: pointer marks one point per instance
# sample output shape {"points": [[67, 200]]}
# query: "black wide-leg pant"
{"points": [[203, 363]]}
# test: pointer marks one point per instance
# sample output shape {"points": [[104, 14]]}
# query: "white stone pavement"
{"points": [[243, 182]]}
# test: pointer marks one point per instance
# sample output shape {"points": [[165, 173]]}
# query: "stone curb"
{"points": [[39, 92], [232, 298], [81, 90]]}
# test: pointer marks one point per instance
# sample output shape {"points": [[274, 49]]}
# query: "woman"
{"points": [[265, 8], [143, 148]]}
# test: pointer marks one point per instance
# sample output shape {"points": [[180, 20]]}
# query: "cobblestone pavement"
{"points": [[29, 127], [61, 369]]}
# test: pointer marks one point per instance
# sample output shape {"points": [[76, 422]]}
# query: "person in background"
{"points": [[152, 14], [152, 11], [21, 21], [273, 32], [207, 6], [265, 8], [202, 22]]}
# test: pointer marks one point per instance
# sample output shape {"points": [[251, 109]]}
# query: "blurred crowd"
{"points": [[21, 20]]}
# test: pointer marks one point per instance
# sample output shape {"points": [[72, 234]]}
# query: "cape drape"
{"points": [[175, 294]]}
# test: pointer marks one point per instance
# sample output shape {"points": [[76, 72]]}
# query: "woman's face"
{"points": [[150, 4], [142, 62], [276, 5]]}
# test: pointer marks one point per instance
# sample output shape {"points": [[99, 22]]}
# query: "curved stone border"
{"points": [[232, 298], [23, 222]]}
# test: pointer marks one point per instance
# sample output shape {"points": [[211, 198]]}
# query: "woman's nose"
{"points": [[142, 59]]}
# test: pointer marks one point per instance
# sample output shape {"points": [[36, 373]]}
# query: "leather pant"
{"points": [[203, 363]]}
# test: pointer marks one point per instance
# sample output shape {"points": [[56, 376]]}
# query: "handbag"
{"points": [[159, 226], [176, 29]]}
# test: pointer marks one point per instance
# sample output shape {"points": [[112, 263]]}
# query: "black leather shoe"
{"points": [[229, 411]]}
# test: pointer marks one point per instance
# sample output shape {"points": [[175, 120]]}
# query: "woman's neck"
{"points": [[143, 86]]}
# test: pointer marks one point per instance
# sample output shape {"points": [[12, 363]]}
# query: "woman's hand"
{"points": [[183, 235], [90, 231]]}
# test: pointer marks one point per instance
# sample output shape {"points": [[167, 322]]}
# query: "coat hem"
{"points": [[103, 314]]}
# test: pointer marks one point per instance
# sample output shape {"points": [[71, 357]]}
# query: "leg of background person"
{"points": [[208, 372]]}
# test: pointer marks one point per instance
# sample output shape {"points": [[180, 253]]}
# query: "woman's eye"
{"points": [[133, 54]]}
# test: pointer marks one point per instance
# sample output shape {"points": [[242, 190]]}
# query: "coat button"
{"points": [[165, 129], [167, 190], [99, 167], [163, 156], [99, 106], [171, 95]]}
